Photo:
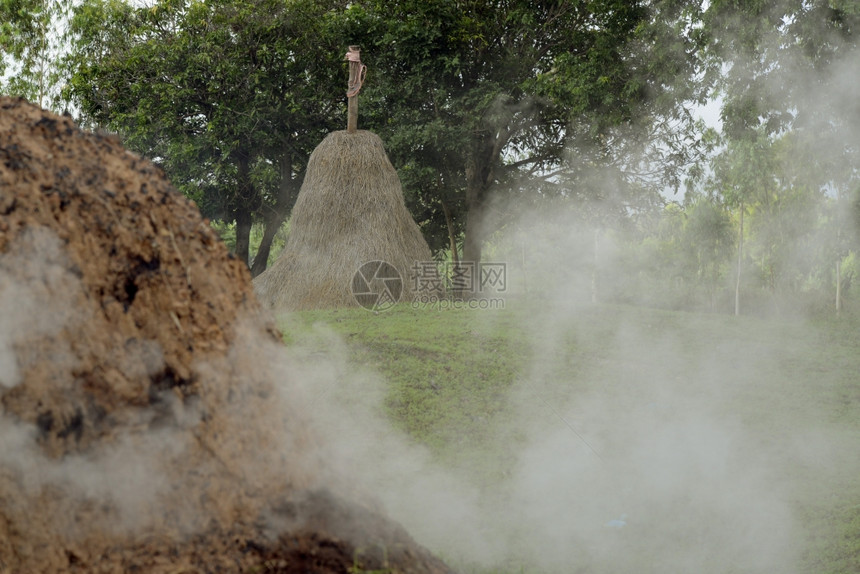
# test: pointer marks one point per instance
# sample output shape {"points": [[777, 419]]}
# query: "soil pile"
{"points": [[141, 427]]}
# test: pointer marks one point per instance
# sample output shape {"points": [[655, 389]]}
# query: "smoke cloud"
{"points": [[677, 453], [640, 471]]}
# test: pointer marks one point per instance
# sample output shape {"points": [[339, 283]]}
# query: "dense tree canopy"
{"points": [[489, 107], [791, 120], [31, 40], [472, 98], [475, 98], [230, 96]]}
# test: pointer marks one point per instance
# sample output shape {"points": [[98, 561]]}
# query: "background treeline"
{"points": [[559, 136]]}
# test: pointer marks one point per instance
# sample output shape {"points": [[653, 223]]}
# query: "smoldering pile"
{"points": [[140, 427]]}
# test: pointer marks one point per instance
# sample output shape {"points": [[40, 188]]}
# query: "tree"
{"points": [[779, 60], [230, 97], [744, 175], [32, 39], [472, 98], [707, 238], [788, 86]]}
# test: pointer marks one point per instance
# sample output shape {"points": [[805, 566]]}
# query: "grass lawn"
{"points": [[733, 444]]}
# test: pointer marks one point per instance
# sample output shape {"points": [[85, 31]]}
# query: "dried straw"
{"points": [[350, 211]]}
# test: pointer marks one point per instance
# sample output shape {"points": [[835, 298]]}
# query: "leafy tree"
{"points": [[778, 58], [476, 97], [31, 41], [708, 241], [229, 96], [787, 224], [745, 178], [472, 98], [790, 68], [678, 257]]}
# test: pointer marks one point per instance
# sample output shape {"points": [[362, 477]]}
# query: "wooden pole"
{"points": [[355, 72]]}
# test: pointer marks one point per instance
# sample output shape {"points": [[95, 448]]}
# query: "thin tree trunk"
{"points": [[740, 261], [458, 290], [839, 258], [452, 239], [838, 286], [243, 233], [287, 192], [594, 268], [272, 224], [245, 198], [524, 272]]}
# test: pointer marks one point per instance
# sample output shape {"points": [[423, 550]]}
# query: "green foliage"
{"points": [[794, 228], [761, 45], [486, 104], [32, 39], [686, 258], [230, 97], [710, 243], [790, 126], [493, 96]]}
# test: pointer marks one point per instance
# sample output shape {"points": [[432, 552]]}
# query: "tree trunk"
{"points": [[287, 192], [523, 266], [452, 239], [838, 286], [473, 241], [479, 177], [740, 260], [243, 233], [594, 267], [274, 219], [480, 165], [245, 198]]}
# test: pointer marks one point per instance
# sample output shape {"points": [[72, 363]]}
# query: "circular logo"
{"points": [[377, 285]]}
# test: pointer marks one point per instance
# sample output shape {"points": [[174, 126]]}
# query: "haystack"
{"points": [[350, 211]]}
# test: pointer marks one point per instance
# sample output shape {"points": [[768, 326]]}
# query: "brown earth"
{"points": [[142, 423]]}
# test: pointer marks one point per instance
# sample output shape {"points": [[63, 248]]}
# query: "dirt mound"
{"points": [[140, 423]]}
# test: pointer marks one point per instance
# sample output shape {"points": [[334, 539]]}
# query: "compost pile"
{"points": [[143, 422]]}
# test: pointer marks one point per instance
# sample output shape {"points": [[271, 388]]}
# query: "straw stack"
{"points": [[350, 210]]}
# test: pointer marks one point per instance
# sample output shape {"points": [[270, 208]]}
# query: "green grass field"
{"points": [[712, 432]]}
